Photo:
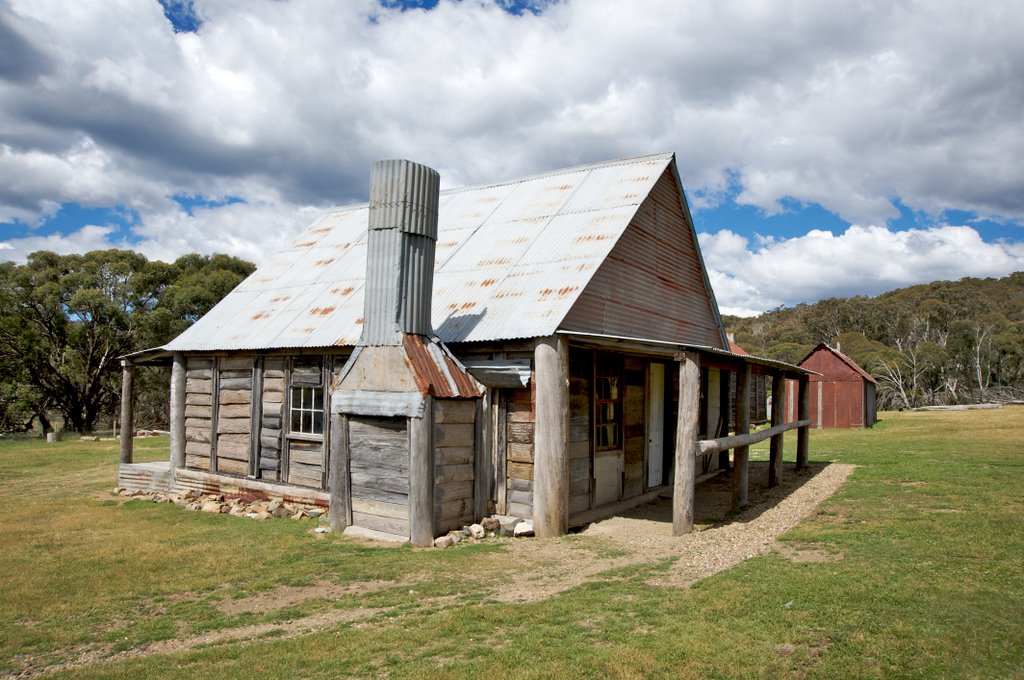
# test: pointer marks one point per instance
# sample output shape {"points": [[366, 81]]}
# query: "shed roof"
{"points": [[854, 366], [511, 260]]}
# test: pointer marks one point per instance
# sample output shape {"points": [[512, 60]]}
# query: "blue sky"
{"points": [[825, 151]]}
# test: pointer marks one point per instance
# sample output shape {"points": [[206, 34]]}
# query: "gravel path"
{"points": [[542, 569]]}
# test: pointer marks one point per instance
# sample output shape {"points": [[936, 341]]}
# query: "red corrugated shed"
{"points": [[843, 396]]}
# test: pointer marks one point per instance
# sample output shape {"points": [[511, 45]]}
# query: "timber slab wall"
{"points": [[454, 443]]}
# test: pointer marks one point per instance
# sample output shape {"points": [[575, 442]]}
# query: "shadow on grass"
{"points": [[713, 499]]}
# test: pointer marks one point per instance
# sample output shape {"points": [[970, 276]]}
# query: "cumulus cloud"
{"points": [[751, 277], [286, 104]]}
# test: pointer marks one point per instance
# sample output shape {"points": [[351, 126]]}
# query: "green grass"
{"points": [[928, 580]]}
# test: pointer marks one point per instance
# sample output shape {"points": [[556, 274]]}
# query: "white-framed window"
{"points": [[307, 410]]}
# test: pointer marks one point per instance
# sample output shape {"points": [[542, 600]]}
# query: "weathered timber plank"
{"points": [[235, 411], [521, 497], [197, 448], [198, 374], [198, 411], [235, 364], [520, 415], [197, 424], [303, 375], [379, 468], [197, 462], [232, 448], [454, 411], [235, 383], [306, 456], [234, 397], [521, 433], [445, 492], [198, 434], [579, 503], [579, 428], [363, 481], [198, 364], [197, 385], [305, 475], [520, 453], [230, 466], [388, 525], [380, 508], [453, 434], [521, 485], [379, 495], [461, 509], [199, 399], [453, 455], [579, 449], [519, 510], [452, 473], [520, 470], [579, 469], [233, 426]]}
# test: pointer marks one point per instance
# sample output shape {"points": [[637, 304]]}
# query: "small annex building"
{"points": [[842, 394], [548, 348]]}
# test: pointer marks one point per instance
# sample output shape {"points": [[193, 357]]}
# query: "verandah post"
{"points": [[803, 413], [178, 411], [741, 454], [686, 443], [778, 402], [551, 438], [127, 409]]}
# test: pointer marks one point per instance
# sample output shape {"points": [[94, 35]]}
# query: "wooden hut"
{"points": [[842, 394], [548, 348]]}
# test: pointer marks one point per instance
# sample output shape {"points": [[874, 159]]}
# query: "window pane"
{"points": [[318, 398], [318, 422]]}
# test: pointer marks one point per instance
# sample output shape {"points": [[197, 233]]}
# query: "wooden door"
{"points": [[656, 425]]}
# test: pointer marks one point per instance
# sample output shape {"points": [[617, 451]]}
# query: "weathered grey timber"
{"points": [[551, 439], [687, 425], [803, 413], [421, 477], [741, 454], [178, 411], [725, 408], [340, 510], [726, 443], [775, 448], [127, 409]]}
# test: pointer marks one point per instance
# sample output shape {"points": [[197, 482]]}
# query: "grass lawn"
{"points": [[925, 577]]}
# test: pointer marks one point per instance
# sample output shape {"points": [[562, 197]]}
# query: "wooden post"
{"points": [[551, 439], [687, 422], [127, 409], [481, 456], [178, 411], [421, 477], [725, 407], [803, 413], [741, 454], [500, 450], [340, 510], [778, 406]]}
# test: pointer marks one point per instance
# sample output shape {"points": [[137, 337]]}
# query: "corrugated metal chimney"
{"points": [[400, 251]]}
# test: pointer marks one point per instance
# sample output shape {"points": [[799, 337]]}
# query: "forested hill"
{"points": [[938, 343]]}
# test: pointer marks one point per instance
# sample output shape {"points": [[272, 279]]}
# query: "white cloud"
{"points": [[750, 278], [286, 104]]}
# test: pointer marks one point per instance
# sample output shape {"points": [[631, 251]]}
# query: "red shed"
{"points": [[843, 396]]}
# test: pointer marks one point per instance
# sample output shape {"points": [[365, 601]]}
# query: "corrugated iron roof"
{"points": [[511, 259]]}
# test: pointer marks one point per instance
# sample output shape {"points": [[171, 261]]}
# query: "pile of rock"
{"points": [[236, 507], [489, 527]]}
